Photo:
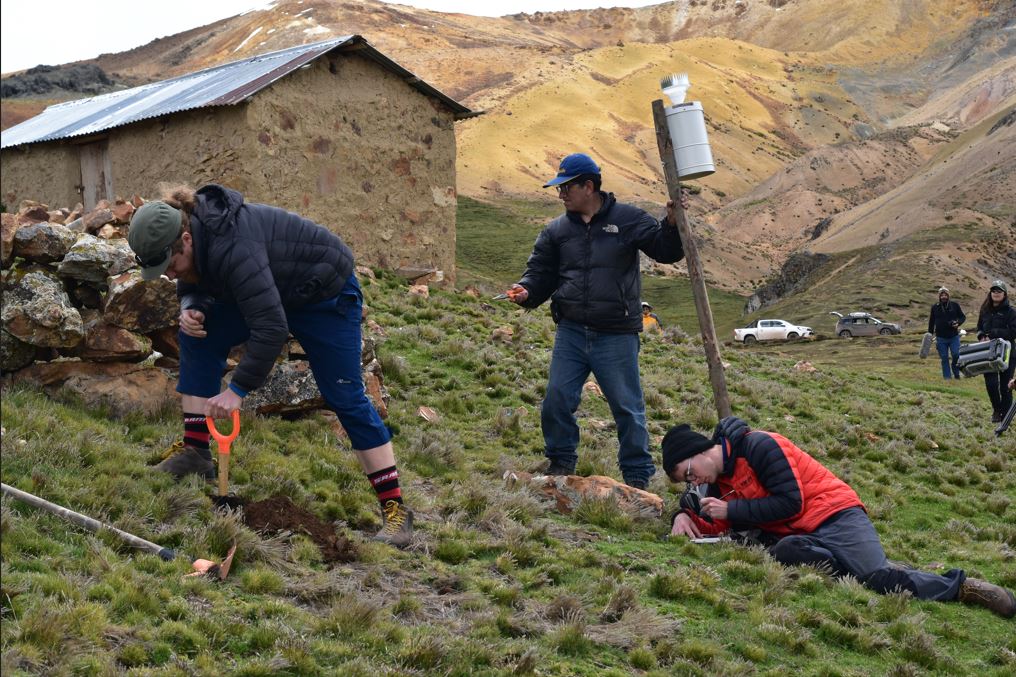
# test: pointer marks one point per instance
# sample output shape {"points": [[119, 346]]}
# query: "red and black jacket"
{"points": [[771, 484]]}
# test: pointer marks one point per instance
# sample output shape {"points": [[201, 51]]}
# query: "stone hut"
{"points": [[334, 130]]}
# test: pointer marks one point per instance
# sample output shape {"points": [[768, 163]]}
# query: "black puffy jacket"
{"points": [[998, 322], [263, 259], [590, 272], [940, 321]]}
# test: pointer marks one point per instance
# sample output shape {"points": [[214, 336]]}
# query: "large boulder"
{"points": [[141, 306], [36, 310], [290, 389], [93, 259], [118, 387], [568, 491], [108, 343], [43, 242], [14, 353]]}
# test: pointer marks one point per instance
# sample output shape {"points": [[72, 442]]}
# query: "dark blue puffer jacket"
{"points": [[590, 272], [264, 260]]}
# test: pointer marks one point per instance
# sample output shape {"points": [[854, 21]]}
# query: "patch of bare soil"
{"points": [[279, 513]]}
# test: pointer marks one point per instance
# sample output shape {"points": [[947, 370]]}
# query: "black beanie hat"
{"points": [[682, 443]]}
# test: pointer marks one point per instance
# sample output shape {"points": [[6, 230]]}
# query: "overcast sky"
{"points": [[52, 32]]}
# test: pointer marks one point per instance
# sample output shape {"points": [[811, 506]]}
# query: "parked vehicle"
{"points": [[863, 324], [770, 330]]}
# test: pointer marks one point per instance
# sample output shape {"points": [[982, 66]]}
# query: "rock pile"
{"points": [[76, 315]]}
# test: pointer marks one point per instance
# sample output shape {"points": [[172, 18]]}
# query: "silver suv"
{"points": [[863, 324]]}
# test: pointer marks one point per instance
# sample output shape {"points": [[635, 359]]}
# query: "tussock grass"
{"points": [[497, 582]]}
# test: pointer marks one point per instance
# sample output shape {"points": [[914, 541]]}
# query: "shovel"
{"points": [[224, 500], [201, 566]]}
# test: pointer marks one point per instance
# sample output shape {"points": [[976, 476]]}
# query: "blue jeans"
{"points": [[848, 543], [614, 360], [330, 334], [944, 347]]}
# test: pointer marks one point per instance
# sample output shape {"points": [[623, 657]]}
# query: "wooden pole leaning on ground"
{"points": [[698, 283]]}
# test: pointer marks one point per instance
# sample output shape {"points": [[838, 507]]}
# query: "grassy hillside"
{"points": [[897, 281], [497, 582]]}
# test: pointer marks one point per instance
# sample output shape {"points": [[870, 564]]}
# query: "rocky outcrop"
{"points": [[116, 387], [794, 272], [14, 353], [141, 306], [37, 310], [43, 242], [105, 342], [83, 295], [49, 80], [93, 259]]}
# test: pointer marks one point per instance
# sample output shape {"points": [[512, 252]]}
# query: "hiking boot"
{"points": [[990, 596], [638, 484], [396, 526], [181, 461], [996, 418], [556, 468]]}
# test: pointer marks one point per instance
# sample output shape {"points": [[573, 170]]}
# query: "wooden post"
{"points": [[698, 283]]}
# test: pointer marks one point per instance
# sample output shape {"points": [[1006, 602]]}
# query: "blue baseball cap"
{"points": [[573, 166]]}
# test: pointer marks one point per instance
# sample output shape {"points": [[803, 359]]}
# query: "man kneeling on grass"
{"points": [[761, 480]]}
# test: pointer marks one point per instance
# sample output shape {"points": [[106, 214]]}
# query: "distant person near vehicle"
{"points": [[761, 480], [997, 319], [944, 322], [650, 322], [586, 262], [254, 273]]}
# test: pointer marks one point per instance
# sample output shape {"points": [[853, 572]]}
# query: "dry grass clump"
{"points": [[636, 626]]}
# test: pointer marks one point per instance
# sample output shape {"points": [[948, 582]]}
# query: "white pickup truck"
{"points": [[770, 330]]}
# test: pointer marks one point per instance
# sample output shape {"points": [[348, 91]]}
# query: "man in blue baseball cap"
{"points": [[586, 262]]}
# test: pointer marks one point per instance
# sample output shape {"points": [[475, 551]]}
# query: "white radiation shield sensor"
{"points": [[687, 124]]}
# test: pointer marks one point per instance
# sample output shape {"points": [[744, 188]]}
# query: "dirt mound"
{"points": [[279, 513]]}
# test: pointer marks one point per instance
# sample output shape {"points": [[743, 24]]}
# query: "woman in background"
{"points": [[997, 319]]}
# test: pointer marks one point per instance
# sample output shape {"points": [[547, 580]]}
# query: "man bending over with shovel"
{"points": [[761, 480], [254, 273]]}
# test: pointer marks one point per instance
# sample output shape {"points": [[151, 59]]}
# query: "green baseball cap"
{"points": [[153, 230], [998, 284]]}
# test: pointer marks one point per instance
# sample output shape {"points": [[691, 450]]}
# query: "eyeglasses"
{"points": [[996, 290], [565, 187], [687, 473]]}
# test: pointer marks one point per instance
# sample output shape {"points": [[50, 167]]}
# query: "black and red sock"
{"points": [[386, 484], [195, 434]]}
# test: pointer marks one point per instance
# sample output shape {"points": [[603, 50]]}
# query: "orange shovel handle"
{"points": [[224, 440]]}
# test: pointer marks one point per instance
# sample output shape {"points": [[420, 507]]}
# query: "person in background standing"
{"points": [[944, 322]]}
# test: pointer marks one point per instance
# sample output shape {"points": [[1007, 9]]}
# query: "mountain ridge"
{"points": [[782, 82]]}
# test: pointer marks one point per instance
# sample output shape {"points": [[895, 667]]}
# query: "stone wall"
{"points": [[47, 172], [76, 316], [193, 147], [348, 144]]}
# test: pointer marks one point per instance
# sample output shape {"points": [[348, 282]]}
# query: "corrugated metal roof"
{"points": [[218, 86]]}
